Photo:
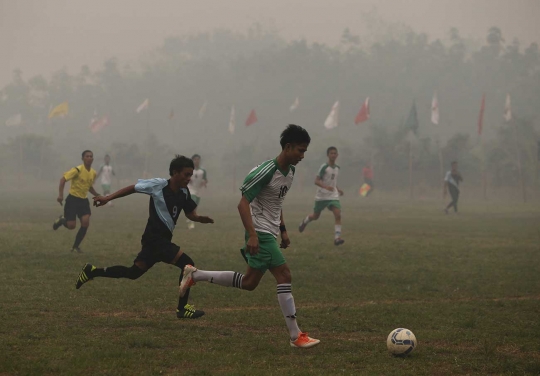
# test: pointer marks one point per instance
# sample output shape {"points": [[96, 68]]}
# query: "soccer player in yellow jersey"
{"points": [[77, 205]]}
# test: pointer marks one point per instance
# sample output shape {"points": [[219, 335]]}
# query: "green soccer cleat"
{"points": [[189, 312], [59, 222], [85, 275]]}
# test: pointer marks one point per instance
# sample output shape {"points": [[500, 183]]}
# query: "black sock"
{"points": [[183, 261], [80, 236], [63, 222], [118, 271]]}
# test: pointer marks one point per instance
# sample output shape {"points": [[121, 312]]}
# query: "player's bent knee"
{"points": [[249, 284], [71, 225]]}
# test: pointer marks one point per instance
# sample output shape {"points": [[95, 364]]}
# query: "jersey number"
{"points": [[174, 211], [283, 191]]}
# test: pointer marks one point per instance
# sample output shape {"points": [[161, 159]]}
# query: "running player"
{"points": [[327, 195], [82, 180], [451, 183], [167, 199], [196, 184], [260, 208], [106, 172]]}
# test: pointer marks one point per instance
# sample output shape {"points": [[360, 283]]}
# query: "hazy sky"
{"points": [[41, 36]]}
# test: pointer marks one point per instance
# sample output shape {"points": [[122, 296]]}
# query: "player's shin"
{"points": [[286, 302], [227, 279]]}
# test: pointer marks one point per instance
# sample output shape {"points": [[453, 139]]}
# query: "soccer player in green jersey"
{"points": [[327, 195], [260, 208]]}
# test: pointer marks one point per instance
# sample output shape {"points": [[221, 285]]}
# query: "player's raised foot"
{"points": [[85, 275], [76, 249], [59, 222], [189, 312], [187, 280], [304, 341], [446, 211], [339, 241], [302, 226]]}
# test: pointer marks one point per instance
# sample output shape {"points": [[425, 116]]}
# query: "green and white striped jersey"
{"points": [[265, 188], [329, 176], [196, 183]]}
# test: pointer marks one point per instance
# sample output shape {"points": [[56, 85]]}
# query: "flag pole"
{"points": [[518, 154]]}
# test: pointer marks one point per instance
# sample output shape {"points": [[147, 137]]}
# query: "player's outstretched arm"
{"points": [[93, 191], [61, 190], [193, 216], [102, 200]]}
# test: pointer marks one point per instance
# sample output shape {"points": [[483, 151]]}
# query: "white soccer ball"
{"points": [[401, 341]]}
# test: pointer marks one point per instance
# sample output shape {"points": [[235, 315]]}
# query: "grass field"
{"points": [[467, 285]]}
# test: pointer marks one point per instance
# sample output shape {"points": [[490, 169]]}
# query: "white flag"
{"points": [[143, 106], [14, 121], [295, 105], [332, 119], [507, 109], [203, 109], [435, 109], [232, 121]]}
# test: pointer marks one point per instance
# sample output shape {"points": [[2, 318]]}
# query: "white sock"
{"points": [[227, 279], [337, 231], [286, 302], [306, 220]]}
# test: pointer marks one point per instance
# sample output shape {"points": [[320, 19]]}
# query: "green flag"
{"points": [[412, 120]]}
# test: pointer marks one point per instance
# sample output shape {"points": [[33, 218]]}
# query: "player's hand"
{"points": [[100, 200], [203, 219], [252, 245], [331, 189], [285, 241], [60, 199], [340, 192]]}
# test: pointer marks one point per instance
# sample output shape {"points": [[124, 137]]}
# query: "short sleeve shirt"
{"points": [[328, 175], [81, 180], [196, 185]]}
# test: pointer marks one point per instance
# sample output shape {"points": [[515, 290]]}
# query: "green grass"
{"points": [[468, 286]]}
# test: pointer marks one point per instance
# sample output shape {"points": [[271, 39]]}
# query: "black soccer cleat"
{"points": [[189, 312], [339, 241], [59, 222], [85, 275]]}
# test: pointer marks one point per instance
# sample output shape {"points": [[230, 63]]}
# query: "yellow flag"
{"points": [[60, 110]]}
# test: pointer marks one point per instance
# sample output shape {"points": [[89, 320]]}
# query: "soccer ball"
{"points": [[401, 341]]}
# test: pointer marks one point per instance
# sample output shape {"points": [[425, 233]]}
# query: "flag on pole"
{"points": [[232, 121], [252, 118], [295, 105], [143, 106], [61, 110], [507, 109], [171, 115], [202, 110], [435, 109], [14, 121], [333, 117], [363, 114], [99, 124], [412, 121], [481, 115]]}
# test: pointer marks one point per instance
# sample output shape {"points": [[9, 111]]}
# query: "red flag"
{"points": [[252, 118], [481, 116], [99, 124], [363, 114]]}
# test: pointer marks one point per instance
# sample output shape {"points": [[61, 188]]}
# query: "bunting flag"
{"points": [[252, 118], [61, 110], [435, 109], [333, 117], [295, 105], [481, 115], [14, 121], [412, 121], [507, 109], [143, 106], [232, 121], [171, 115], [202, 110], [363, 114], [99, 124]]}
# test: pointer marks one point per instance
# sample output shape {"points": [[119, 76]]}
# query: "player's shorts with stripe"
{"points": [[157, 251], [76, 207], [269, 255], [321, 205]]}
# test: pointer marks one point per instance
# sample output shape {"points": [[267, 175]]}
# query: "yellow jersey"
{"points": [[81, 180]]}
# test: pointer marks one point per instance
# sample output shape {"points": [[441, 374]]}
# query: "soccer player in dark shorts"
{"points": [[82, 179], [167, 199]]}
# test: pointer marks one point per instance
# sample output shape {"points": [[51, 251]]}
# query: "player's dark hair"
{"points": [[294, 134], [179, 162], [107, 156], [195, 156], [452, 163], [86, 151], [330, 149]]}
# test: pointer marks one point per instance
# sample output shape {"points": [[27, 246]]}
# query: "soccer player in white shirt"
{"points": [[106, 172], [260, 208], [327, 195], [451, 184], [197, 184]]}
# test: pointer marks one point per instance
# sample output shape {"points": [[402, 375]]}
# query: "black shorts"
{"points": [[157, 251], [76, 207]]}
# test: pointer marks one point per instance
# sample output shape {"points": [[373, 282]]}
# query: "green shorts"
{"points": [[106, 187], [321, 205], [269, 255], [196, 199]]}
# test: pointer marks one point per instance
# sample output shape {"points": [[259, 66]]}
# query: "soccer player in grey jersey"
{"points": [[260, 208]]}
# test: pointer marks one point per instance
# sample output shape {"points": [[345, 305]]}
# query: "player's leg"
{"points": [[184, 310], [89, 272], [69, 219], [106, 191], [282, 274], [318, 208], [455, 198], [85, 223], [336, 209]]}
